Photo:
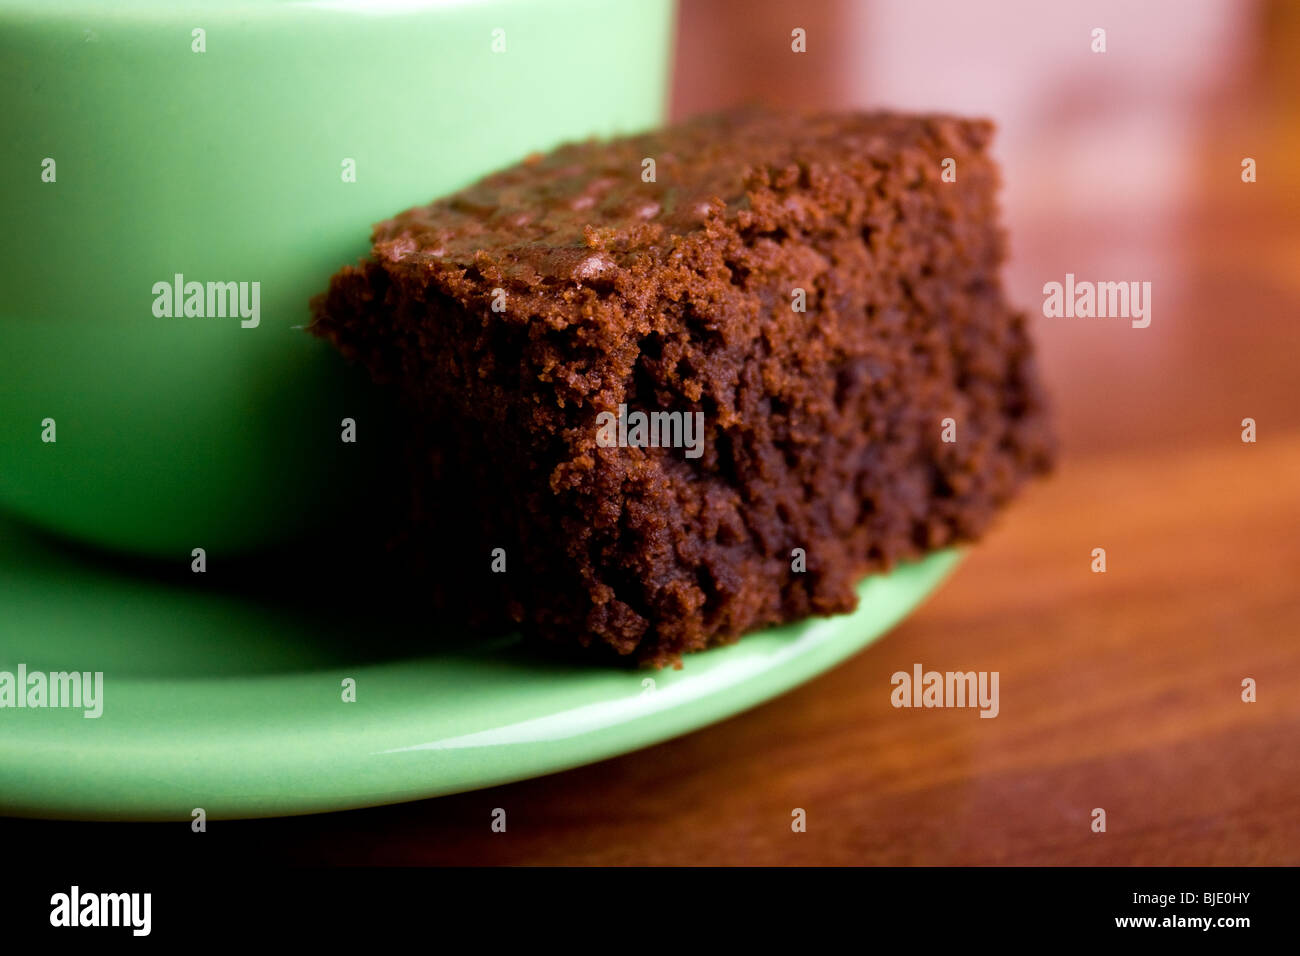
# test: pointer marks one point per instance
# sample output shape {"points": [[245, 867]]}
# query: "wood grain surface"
{"points": [[1119, 690]]}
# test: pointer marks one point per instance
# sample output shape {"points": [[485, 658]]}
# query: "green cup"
{"points": [[179, 179]]}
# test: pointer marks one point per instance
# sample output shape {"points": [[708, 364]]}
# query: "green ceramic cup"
{"points": [[246, 147]]}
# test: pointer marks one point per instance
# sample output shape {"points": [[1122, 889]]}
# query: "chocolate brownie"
{"points": [[811, 289]]}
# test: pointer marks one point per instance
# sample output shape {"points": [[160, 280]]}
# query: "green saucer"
{"points": [[227, 693]]}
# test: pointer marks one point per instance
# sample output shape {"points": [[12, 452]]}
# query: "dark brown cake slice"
{"points": [[513, 314]]}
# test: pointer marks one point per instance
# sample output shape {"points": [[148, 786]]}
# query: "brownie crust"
{"points": [[512, 314]]}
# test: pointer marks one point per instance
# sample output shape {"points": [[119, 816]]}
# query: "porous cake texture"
{"points": [[819, 293]]}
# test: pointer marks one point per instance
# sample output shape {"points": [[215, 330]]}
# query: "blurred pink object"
{"points": [[1084, 138], [1082, 135]]}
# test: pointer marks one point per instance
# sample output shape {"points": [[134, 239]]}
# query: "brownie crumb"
{"points": [[803, 286]]}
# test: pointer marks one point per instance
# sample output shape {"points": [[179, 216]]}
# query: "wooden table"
{"points": [[1119, 690]]}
